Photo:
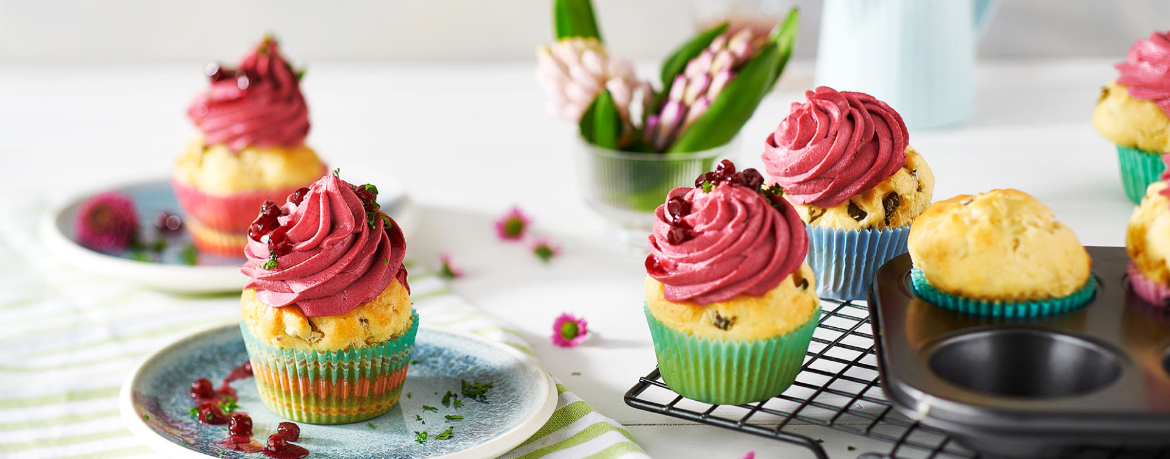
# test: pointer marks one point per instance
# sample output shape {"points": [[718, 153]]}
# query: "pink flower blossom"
{"points": [[569, 331], [447, 268], [544, 249], [107, 221], [512, 226]]}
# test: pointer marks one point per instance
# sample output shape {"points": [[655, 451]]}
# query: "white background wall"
{"points": [[165, 31]]}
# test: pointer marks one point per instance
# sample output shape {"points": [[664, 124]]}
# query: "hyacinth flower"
{"points": [[574, 70], [710, 86], [702, 80]]}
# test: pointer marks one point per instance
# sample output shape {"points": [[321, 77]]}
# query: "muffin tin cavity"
{"points": [[1024, 363]]}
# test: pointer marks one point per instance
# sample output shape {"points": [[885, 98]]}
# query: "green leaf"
{"points": [[784, 37], [601, 124], [574, 18], [733, 107], [677, 62]]}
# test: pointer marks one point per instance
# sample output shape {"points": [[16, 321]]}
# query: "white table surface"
{"points": [[471, 140]]}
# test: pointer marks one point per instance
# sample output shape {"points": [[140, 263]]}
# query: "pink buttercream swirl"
{"points": [[835, 145], [1146, 70], [337, 261], [258, 104], [741, 245]]}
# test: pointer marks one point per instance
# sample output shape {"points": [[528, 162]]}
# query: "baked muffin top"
{"points": [[1000, 245], [892, 203], [1147, 237]]}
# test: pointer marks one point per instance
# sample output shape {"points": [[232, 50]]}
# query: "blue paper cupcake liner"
{"points": [[999, 308], [845, 260]]}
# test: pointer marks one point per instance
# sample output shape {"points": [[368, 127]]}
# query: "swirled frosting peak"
{"points": [[259, 103], [1146, 70], [835, 145], [327, 249], [726, 238]]}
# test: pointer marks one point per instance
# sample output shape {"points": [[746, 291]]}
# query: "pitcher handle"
{"points": [[984, 10]]}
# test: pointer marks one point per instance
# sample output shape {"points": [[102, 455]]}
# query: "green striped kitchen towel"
{"points": [[71, 337]]}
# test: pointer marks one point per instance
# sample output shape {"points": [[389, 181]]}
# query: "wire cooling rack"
{"points": [[838, 389]]}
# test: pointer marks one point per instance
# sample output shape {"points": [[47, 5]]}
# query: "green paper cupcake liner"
{"points": [[334, 387], [1139, 168], [729, 372], [998, 308]]}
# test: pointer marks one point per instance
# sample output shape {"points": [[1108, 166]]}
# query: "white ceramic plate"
{"points": [[168, 272], [154, 402]]}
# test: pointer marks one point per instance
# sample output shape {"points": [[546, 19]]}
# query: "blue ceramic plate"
{"points": [[154, 402], [167, 269]]}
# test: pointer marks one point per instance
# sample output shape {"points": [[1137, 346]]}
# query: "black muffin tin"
{"points": [[1036, 387]]}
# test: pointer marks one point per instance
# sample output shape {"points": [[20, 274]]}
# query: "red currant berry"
{"points": [[299, 195], [276, 443], [240, 425], [290, 431], [202, 388]]}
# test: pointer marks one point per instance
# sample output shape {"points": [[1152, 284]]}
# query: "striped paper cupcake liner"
{"points": [[334, 387], [729, 372], [1139, 168], [999, 308], [845, 260]]}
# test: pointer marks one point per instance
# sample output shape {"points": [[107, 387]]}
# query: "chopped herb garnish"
{"points": [[189, 255], [146, 417], [337, 172], [819, 441], [457, 402], [453, 417], [419, 419], [413, 361], [371, 425], [194, 411], [447, 398], [420, 437], [708, 186], [228, 404], [445, 435], [139, 255], [430, 408], [385, 261], [408, 395], [271, 263], [576, 373], [475, 391]]}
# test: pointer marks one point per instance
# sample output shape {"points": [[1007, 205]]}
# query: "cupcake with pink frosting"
{"points": [[730, 302], [327, 317], [845, 162], [252, 121], [1133, 112]]}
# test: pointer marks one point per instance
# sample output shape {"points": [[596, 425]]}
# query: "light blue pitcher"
{"points": [[916, 55]]}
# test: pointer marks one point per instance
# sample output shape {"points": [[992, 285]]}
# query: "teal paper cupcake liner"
{"points": [[845, 260], [998, 308], [332, 387], [729, 372], [1139, 168]]}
